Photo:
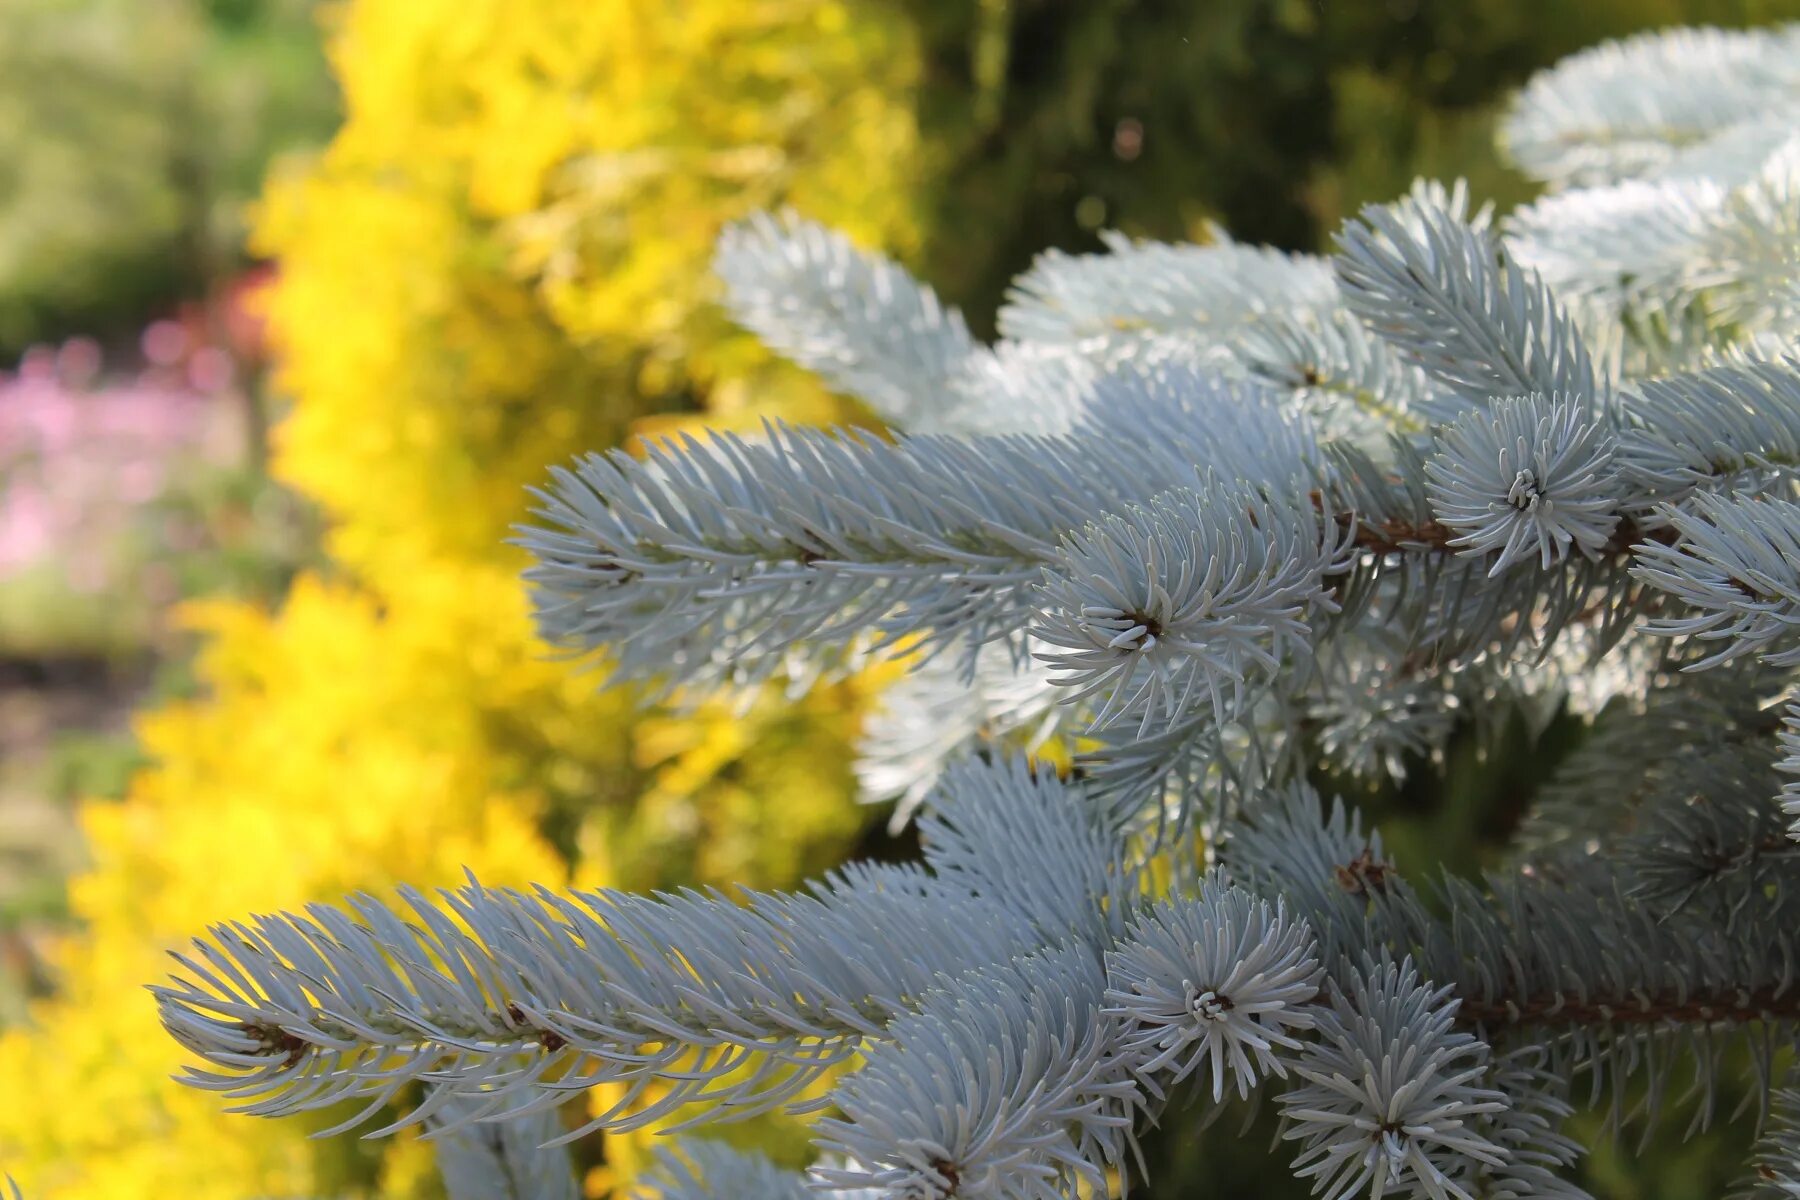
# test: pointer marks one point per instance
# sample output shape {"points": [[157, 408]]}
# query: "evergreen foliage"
{"points": [[1274, 504]]}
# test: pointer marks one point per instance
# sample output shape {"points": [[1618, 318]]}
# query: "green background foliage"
{"points": [[1276, 118], [132, 133]]}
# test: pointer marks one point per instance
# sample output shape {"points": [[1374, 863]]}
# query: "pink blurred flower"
{"points": [[209, 369], [80, 457], [78, 361], [164, 343]]}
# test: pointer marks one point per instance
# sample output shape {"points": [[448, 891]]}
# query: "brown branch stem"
{"points": [[1768, 1004], [1394, 536]]}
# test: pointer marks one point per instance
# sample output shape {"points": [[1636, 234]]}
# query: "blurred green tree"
{"points": [[132, 134], [1275, 118]]}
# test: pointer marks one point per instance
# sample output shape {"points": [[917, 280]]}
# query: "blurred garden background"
{"points": [[297, 298]]}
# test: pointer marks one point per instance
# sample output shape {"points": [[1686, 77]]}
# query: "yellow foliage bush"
{"points": [[503, 257], [500, 261]]}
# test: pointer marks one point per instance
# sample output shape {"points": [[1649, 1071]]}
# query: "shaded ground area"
{"points": [[63, 734]]}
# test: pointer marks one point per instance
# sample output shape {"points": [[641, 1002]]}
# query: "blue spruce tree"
{"points": [[1218, 514]]}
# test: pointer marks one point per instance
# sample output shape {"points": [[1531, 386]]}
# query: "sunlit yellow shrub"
{"points": [[498, 262], [312, 767], [502, 258]]}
